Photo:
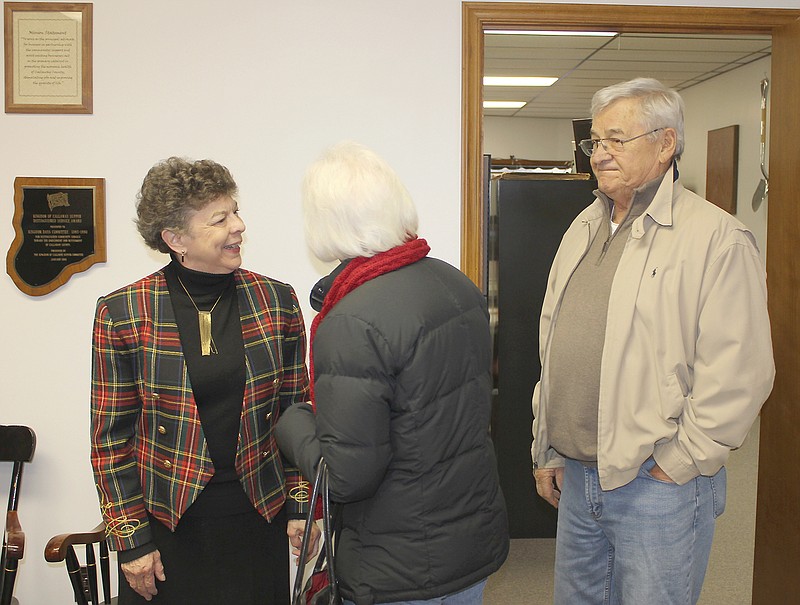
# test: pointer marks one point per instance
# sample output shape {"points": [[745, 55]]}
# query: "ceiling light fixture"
{"points": [[503, 104], [517, 81], [521, 32]]}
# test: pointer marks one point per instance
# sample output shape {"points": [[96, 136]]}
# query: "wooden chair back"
{"points": [[17, 444]]}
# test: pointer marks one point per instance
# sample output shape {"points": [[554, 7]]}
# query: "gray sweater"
{"points": [[578, 337]]}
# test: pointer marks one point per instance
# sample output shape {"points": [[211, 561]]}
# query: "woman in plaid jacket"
{"points": [[192, 366]]}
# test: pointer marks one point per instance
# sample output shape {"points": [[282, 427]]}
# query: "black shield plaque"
{"points": [[59, 231]]}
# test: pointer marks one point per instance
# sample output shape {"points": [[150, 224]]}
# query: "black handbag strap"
{"points": [[327, 533], [320, 489], [335, 518]]}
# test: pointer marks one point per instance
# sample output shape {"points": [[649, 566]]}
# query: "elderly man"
{"points": [[656, 358]]}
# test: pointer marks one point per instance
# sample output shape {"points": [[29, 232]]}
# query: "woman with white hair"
{"points": [[401, 383]]}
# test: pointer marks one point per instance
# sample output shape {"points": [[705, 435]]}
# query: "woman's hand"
{"points": [[143, 572], [295, 530]]}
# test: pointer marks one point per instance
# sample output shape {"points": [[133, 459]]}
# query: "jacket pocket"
{"points": [[719, 490], [673, 397]]}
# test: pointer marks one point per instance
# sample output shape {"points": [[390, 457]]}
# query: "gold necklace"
{"points": [[207, 346]]}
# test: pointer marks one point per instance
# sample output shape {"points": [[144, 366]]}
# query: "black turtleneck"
{"points": [[217, 380]]}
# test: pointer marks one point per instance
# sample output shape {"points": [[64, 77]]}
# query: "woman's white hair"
{"points": [[661, 107], [354, 204]]}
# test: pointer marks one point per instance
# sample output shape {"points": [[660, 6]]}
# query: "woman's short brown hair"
{"points": [[172, 189]]}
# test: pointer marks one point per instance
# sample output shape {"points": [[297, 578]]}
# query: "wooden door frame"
{"points": [[777, 548]]}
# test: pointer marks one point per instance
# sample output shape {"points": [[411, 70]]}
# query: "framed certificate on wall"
{"points": [[48, 57]]}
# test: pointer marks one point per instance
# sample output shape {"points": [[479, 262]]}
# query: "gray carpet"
{"points": [[527, 576]]}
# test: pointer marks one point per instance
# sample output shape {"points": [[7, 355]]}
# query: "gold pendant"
{"points": [[204, 319]]}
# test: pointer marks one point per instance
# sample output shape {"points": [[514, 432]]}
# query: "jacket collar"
{"points": [[659, 211], [321, 288]]}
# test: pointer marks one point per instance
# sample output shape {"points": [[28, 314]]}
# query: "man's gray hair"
{"points": [[661, 107]]}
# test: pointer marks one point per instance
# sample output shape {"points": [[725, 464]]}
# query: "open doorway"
{"points": [[776, 553]]}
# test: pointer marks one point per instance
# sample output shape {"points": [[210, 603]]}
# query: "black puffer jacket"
{"points": [[402, 385]]}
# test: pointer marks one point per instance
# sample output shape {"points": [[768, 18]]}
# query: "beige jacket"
{"points": [[687, 360]]}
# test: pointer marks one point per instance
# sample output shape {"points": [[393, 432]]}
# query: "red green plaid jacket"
{"points": [[148, 449]]}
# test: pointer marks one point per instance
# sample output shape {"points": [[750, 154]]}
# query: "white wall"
{"points": [[528, 138], [733, 98], [261, 87]]}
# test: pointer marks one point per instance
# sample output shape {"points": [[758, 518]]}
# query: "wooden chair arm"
{"points": [[57, 546], [15, 537]]}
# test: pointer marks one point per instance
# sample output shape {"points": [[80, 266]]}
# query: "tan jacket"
{"points": [[687, 360]]}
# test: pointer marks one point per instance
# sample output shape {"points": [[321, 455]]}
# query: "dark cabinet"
{"points": [[528, 216]]}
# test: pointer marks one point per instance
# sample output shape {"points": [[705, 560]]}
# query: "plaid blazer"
{"points": [[148, 449]]}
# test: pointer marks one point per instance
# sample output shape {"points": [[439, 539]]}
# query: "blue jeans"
{"points": [[645, 542], [470, 596]]}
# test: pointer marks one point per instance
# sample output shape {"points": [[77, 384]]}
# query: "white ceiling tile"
{"points": [[586, 64]]}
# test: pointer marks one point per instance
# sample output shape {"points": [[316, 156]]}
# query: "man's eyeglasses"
{"points": [[612, 144]]}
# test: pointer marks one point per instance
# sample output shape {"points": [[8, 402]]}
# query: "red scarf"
{"points": [[361, 270]]}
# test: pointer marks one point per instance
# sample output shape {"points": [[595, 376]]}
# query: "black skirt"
{"points": [[239, 559]]}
